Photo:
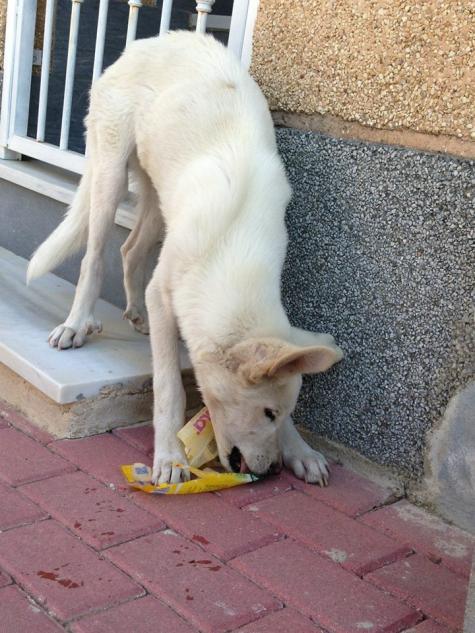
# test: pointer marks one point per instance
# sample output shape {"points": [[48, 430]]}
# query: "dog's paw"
{"points": [[65, 336], [137, 318], [165, 469], [309, 465]]}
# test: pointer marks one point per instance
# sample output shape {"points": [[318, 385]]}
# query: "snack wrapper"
{"points": [[200, 448], [140, 476], [198, 439]]}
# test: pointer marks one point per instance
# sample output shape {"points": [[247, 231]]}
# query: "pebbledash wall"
{"points": [[375, 111], [375, 103]]}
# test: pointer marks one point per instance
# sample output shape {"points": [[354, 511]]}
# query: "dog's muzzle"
{"points": [[238, 464]]}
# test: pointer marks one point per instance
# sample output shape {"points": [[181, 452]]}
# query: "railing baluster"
{"points": [[70, 69], [100, 39], [166, 16], [203, 7], [45, 69], [133, 18]]}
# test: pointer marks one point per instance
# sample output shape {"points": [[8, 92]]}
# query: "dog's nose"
{"points": [[275, 468]]}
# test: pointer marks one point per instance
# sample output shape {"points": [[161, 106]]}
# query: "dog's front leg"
{"points": [[299, 457], [169, 395]]}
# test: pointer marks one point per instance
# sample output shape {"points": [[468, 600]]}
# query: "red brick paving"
{"points": [[22, 459], [282, 621], [97, 515], [16, 419], [350, 493], [431, 588], [282, 587], [428, 626], [101, 456], [329, 532], [60, 571], [244, 495], [139, 436], [4, 579], [15, 509], [334, 598], [207, 520], [20, 615], [145, 615], [213, 597], [428, 534]]}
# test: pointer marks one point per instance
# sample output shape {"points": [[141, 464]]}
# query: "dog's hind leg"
{"points": [[108, 183], [147, 232], [169, 395]]}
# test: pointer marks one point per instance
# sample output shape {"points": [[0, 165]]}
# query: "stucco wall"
{"points": [[3, 15], [381, 256], [387, 64]]}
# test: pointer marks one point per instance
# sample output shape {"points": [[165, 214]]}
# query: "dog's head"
{"points": [[250, 389]]}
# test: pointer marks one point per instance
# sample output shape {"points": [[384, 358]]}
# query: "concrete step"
{"points": [[72, 393]]}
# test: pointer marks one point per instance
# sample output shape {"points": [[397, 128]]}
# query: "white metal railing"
{"points": [[18, 60]]}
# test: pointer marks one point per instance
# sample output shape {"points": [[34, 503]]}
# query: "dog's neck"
{"points": [[228, 270]]}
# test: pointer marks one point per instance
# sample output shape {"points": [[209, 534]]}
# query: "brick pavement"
{"points": [[81, 553]]}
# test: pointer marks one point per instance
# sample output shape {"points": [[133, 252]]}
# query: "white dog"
{"points": [[195, 131]]}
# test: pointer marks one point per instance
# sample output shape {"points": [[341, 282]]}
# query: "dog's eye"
{"points": [[269, 414]]}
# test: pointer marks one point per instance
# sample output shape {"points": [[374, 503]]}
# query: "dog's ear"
{"points": [[254, 360]]}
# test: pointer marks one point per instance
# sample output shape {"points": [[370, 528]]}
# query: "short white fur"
{"points": [[193, 129]]}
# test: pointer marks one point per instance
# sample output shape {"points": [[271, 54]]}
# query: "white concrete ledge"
{"points": [[27, 314]]}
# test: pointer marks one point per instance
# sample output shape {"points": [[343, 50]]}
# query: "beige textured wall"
{"points": [[3, 15], [40, 20], [389, 64]]}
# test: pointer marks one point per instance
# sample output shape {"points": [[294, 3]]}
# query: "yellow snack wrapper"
{"points": [[198, 439], [200, 448], [140, 476]]}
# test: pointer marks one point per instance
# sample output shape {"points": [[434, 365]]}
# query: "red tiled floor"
{"points": [[428, 626], [282, 621], [20, 615], [251, 493], [16, 509], [98, 515], [101, 456], [426, 533], [281, 587], [23, 459], [16, 419], [329, 532], [211, 596], [431, 588], [4, 579], [348, 492], [140, 436], [333, 597], [61, 572], [145, 615], [219, 528]]}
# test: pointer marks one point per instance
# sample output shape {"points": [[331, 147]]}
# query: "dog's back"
{"points": [[204, 135], [188, 99]]}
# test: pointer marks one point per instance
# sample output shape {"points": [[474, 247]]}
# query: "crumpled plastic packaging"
{"points": [[200, 448]]}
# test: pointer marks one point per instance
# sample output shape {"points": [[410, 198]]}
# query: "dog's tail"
{"points": [[68, 237]]}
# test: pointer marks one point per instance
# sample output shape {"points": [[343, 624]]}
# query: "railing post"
{"points": [[166, 16], [203, 7], [8, 64], [134, 5], [100, 39], [45, 69], [70, 69]]}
